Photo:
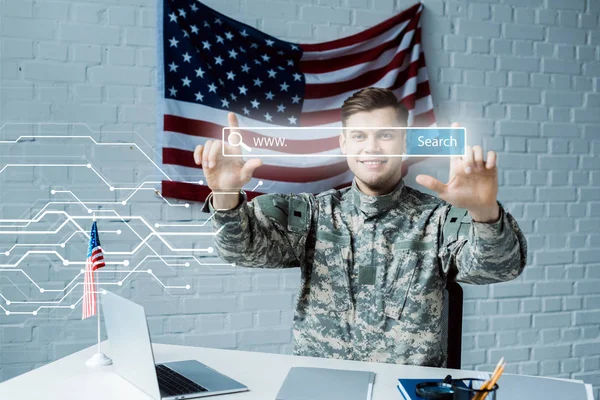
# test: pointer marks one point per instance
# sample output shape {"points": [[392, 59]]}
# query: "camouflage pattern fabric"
{"points": [[374, 268]]}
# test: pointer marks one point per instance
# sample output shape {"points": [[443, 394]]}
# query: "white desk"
{"points": [[263, 373]]}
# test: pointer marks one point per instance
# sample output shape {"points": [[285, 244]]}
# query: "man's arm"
{"points": [[268, 232], [482, 252]]}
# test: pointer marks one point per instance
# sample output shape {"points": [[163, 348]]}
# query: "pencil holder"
{"points": [[470, 389]]}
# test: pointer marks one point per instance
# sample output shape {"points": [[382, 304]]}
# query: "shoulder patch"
{"points": [[291, 211], [299, 216], [456, 224]]}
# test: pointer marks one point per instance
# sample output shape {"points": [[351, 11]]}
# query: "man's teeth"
{"points": [[372, 162]]}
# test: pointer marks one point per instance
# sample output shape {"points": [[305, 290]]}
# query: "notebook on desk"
{"points": [[302, 383], [522, 387]]}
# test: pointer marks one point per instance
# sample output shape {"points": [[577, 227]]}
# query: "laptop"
{"points": [[133, 359]]}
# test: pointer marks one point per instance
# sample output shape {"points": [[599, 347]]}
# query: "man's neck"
{"points": [[377, 192]]}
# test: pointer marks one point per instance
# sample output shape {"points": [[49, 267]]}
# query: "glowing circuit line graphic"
{"points": [[71, 220]]}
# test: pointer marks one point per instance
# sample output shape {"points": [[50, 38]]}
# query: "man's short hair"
{"points": [[370, 99]]}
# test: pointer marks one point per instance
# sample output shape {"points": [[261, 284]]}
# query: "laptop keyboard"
{"points": [[172, 383]]}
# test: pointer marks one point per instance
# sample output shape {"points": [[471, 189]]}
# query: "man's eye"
{"points": [[387, 135], [358, 136]]}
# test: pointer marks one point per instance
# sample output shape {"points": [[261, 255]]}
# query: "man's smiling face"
{"points": [[364, 136]]}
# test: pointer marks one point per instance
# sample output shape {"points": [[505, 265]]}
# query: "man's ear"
{"points": [[343, 141]]}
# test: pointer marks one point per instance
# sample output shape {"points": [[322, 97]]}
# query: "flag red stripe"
{"points": [[349, 60], [96, 266], [193, 192], [320, 90], [367, 34], [275, 173], [422, 91], [199, 128], [323, 117]]}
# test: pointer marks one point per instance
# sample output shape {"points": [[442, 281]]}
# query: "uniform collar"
{"points": [[373, 205]]}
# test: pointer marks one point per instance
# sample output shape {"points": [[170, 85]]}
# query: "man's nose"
{"points": [[372, 145]]}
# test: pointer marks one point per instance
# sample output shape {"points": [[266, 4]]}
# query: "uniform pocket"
{"points": [[399, 281], [330, 285]]}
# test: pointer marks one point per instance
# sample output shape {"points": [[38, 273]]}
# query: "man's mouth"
{"points": [[374, 163]]}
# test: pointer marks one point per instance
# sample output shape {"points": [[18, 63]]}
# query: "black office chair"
{"points": [[452, 314]]}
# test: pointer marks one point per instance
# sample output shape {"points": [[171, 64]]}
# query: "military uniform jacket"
{"points": [[373, 268]]}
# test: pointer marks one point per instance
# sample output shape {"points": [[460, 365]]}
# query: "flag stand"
{"points": [[99, 359]]}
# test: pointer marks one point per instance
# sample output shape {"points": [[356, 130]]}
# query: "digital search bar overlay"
{"points": [[280, 141], [436, 141]]}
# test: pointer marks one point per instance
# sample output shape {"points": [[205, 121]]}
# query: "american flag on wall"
{"points": [[210, 64], [95, 260]]}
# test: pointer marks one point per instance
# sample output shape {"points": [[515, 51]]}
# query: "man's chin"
{"points": [[374, 180]]}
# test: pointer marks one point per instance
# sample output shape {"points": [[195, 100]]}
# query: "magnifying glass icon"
{"points": [[239, 143]]}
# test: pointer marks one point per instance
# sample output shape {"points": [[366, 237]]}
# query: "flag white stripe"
{"points": [[217, 116], [187, 142], [422, 105], [89, 301], [282, 187], [359, 69], [386, 36]]}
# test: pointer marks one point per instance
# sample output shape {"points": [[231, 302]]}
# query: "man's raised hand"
{"points": [[473, 184], [225, 173]]}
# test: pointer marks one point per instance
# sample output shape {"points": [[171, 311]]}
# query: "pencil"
{"points": [[494, 380], [486, 386]]}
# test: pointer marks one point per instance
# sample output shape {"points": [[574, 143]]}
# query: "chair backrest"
{"points": [[452, 314]]}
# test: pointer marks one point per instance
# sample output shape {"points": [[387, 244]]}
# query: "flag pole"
{"points": [[99, 359], [98, 304]]}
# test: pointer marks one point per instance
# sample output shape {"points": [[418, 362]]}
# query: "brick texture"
{"points": [[522, 75]]}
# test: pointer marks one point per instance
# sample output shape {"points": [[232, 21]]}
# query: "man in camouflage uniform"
{"points": [[375, 257]]}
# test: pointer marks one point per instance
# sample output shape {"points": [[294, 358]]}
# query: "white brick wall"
{"points": [[523, 75]]}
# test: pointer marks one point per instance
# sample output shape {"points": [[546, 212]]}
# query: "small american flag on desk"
{"points": [[210, 64], [95, 260]]}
